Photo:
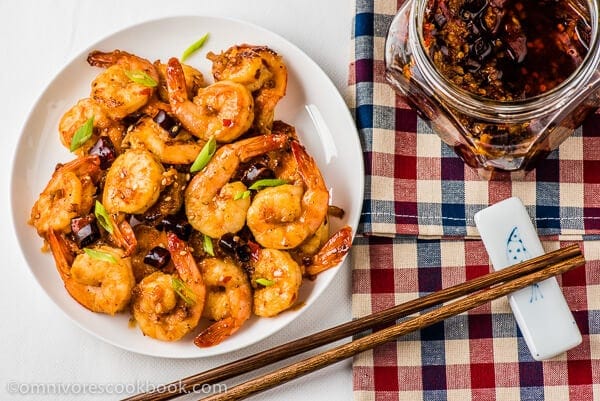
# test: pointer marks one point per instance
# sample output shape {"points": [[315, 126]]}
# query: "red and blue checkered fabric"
{"points": [[479, 355], [416, 185], [418, 236]]}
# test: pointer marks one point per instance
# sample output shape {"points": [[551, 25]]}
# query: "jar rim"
{"points": [[488, 108]]}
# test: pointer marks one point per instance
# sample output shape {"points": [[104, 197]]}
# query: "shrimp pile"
{"points": [[187, 204]]}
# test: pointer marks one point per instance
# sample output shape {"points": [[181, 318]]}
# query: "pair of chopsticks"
{"points": [[464, 296]]}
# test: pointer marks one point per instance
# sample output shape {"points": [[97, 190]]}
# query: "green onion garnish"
{"points": [[193, 47], [82, 134], [103, 217], [241, 195], [140, 77], [208, 245], [207, 152], [183, 291], [265, 282], [267, 182], [107, 257]]}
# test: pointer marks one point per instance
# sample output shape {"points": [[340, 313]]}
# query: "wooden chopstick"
{"points": [[344, 330], [385, 335]]}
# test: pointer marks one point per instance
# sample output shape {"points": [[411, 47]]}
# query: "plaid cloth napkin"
{"points": [[416, 184], [419, 236]]}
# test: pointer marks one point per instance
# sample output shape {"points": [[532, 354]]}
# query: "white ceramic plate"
{"points": [[334, 145]]}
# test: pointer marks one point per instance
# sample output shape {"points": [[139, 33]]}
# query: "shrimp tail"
{"points": [[216, 332], [84, 166], [102, 59], [176, 82], [316, 198], [176, 246], [332, 252], [185, 264], [307, 167], [124, 236], [61, 253], [259, 145], [187, 113]]}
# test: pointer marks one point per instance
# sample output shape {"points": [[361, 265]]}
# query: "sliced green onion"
{"points": [[107, 257], [265, 282], [208, 245], [242, 195], [140, 77], [207, 152], [82, 134], [183, 291], [267, 182], [103, 217], [193, 47]]}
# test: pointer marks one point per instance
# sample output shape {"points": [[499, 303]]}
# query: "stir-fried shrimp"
{"points": [[228, 300], [194, 80], [68, 194], [103, 125], [133, 182], [261, 70], [224, 109], [147, 134], [332, 252], [169, 306], [100, 280], [241, 64], [276, 279], [114, 89], [226, 211], [162, 134], [213, 205], [282, 217]]}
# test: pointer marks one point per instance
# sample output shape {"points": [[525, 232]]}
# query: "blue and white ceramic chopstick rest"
{"points": [[541, 311]]}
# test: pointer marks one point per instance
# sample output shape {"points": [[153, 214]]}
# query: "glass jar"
{"points": [[491, 135]]}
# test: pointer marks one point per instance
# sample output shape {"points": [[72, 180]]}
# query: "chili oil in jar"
{"points": [[502, 81]]}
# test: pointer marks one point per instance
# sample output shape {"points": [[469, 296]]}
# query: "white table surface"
{"points": [[39, 344]]}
